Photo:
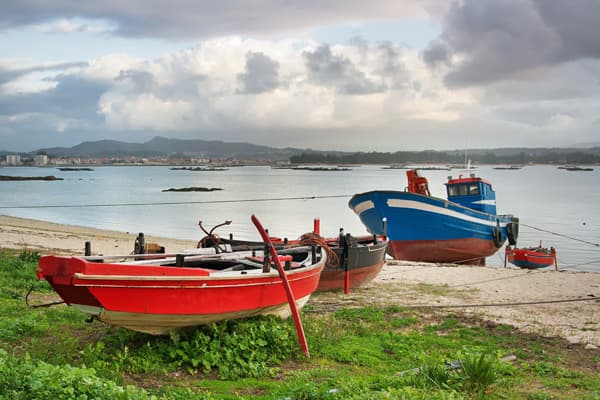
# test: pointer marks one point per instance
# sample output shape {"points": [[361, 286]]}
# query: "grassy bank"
{"points": [[368, 352]]}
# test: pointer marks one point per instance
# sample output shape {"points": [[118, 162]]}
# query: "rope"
{"points": [[311, 238], [568, 266], [521, 303], [172, 203], [338, 305], [39, 305], [562, 235]]}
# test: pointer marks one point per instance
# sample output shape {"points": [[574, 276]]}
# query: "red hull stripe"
{"points": [[165, 294], [451, 251], [332, 279]]}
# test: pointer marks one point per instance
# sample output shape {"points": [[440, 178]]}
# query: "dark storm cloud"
{"points": [[506, 39], [193, 19], [327, 69], [436, 53], [577, 23], [7, 75], [261, 75]]}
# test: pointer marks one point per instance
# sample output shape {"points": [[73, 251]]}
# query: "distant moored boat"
{"points": [[531, 257]]}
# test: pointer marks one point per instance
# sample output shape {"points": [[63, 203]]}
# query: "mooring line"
{"points": [[338, 305], [567, 266], [560, 234], [520, 303], [171, 203]]}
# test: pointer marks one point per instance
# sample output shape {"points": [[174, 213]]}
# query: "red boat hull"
{"points": [[531, 259], [333, 278], [159, 299], [458, 251], [364, 258], [363, 261]]}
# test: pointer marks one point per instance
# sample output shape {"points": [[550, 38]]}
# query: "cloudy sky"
{"points": [[348, 75]]}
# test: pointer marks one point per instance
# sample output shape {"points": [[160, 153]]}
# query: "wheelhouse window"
{"points": [[463, 190]]}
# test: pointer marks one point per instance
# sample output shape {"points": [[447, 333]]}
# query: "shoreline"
{"points": [[54, 238], [545, 302]]}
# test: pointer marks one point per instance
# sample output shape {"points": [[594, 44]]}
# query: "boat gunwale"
{"points": [[296, 274], [446, 201]]}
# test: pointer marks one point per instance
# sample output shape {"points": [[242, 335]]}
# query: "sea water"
{"points": [[561, 208]]}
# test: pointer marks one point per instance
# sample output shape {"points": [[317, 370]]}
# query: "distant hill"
{"points": [[478, 156], [534, 151], [161, 146]]}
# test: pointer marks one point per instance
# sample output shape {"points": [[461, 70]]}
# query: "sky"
{"points": [[349, 75]]}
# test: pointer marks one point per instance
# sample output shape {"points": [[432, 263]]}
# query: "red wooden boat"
{"points": [[531, 257], [158, 294], [358, 259], [352, 261]]}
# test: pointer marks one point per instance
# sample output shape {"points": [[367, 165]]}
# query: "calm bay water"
{"points": [[543, 197]]}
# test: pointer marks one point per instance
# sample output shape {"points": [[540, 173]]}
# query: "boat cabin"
{"points": [[472, 192]]}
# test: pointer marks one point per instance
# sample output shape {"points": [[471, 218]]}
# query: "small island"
{"points": [[209, 169], [75, 169], [320, 169], [192, 189], [575, 168], [511, 167], [29, 178]]}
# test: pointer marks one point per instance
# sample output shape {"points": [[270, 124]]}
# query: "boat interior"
{"points": [[292, 258]]}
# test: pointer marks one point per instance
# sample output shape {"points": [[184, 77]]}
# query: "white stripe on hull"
{"points": [[363, 206], [417, 205]]}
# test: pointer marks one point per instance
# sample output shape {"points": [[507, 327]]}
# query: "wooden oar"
{"points": [[286, 285]]}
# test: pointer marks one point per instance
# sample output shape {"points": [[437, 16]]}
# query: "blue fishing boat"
{"points": [[464, 228]]}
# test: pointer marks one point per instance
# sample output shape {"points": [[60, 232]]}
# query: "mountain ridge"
{"points": [[163, 146]]}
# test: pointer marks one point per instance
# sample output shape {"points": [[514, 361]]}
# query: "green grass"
{"points": [[356, 353]]}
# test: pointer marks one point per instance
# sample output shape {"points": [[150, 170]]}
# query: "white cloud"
{"points": [[18, 78], [73, 25], [561, 122], [146, 111], [198, 89], [30, 83], [495, 75], [108, 67]]}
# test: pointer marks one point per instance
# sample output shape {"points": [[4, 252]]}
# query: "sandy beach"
{"points": [[51, 238], [549, 303]]}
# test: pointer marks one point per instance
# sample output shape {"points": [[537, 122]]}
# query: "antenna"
{"points": [[466, 151]]}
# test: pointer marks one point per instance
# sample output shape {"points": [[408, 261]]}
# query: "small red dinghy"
{"points": [[531, 257]]}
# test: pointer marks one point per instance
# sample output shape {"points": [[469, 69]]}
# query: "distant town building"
{"points": [[13, 159], [40, 159]]}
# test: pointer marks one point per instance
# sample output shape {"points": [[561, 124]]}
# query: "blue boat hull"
{"points": [[425, 228], [530, 265]]}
